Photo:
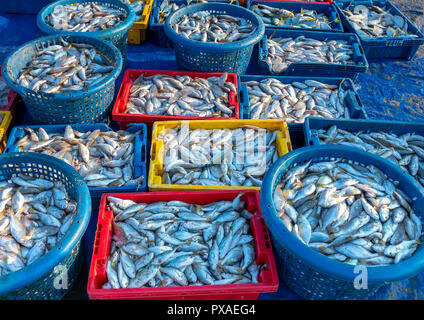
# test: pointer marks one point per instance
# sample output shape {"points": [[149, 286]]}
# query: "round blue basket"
{"points": [[118, 34], [214, 57], [85, 106], [313, 275], [61, 265]]}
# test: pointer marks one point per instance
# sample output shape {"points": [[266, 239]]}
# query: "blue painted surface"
{"points": [[391, 90]]}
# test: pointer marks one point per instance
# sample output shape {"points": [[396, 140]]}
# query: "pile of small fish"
{"points": [[284, 51], [174, 243], [376, 22], [406, 150], [218, 157], [103, 159], [36, 214], [284, 18], [206, 27], [295, 101], [181, 95], [4, 92], [348, 212], [64, 67], [138, 7], [85, 17]]}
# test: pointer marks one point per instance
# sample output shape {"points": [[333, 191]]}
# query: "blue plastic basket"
{"points": [[36, 281], [312, 275], [352, 100], [117, 35], [214, 57], [308, 69], [85, 106], [385, 47], [330, 11], [158, 32]]}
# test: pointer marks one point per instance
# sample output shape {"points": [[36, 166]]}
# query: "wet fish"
{"points": [[138, 7]]}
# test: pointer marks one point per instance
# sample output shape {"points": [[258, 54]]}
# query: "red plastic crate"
{"points": [[267, 281], [12, 99], [131, 75]]}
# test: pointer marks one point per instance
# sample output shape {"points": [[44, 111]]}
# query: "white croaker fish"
{"points": [[181, 96], [293, 102], [138, 7], [4, 92], [405, 150], [351, 213], [35, 215], [85, 17], [282, 52], [64, 67], [377, 22], [280, 17], [103, 159], [174, 243], [206, 27], [217, 157]]}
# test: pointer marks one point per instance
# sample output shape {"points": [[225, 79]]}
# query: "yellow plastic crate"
{"points": [[283, 145], [5, 128], [137, 32]]}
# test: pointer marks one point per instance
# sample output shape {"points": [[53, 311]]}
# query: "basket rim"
{"points": [[376, 274], [210, 46], [74, 95], [47, 262], [123, 26]]}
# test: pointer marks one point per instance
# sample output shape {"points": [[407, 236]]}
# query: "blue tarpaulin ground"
{"points": [[389, 90]]}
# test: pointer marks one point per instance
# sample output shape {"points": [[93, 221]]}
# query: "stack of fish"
{"points": [[207, 27], [218, 157], [406, 150], [284, 51], [36, 214], [348, 212], [376, 22], [138, 7], [295, 101], [281, 17], [85, 17], [181, 95], [4, 92], [103, 159], [64, 67], [175, 243]]}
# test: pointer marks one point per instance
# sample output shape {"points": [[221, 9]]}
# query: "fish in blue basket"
{"points": [[280, 17], [217, 28], [181, 96], [85, 17], [406, 150], [175, 243], [35, 215], [4, 92], [349, 212], [217, 157], [284, 51], [64, 67], [377, 22], [293, 102], [138, 7], [103, 159]]}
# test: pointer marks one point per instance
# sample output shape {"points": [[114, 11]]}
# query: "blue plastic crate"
{"points": [[85, 106], [385, 47], [311, 274], [353, 102], [117, 35], [158, 32], [301, 69], [201, 56], [36, 281], [330, 11]]}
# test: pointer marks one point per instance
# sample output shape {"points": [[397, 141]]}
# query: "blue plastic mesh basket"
{"points": [[118, 34], [85, 106], [37, 281], [311, 274], [214, 57]]}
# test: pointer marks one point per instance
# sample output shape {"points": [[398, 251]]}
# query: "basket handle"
{"points": [[245, 101], [124, 92]]}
